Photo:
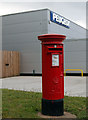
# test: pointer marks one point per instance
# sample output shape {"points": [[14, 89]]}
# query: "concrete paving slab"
{"points": [[66, 115], [74, 86], [23, 83]]}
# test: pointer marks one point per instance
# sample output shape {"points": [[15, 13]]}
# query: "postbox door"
{"points": [[58, 69], [53, 83]]}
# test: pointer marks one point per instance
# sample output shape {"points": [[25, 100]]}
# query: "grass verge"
{"points": [[21, 104]]}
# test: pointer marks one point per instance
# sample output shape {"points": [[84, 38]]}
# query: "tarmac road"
{"points": [[74, 86]]}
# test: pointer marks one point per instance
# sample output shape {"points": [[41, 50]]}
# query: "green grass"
{"points": [[21, 104], [76, 105]]}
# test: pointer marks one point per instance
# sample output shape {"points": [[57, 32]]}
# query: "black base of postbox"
{"points": [[53, 107]]}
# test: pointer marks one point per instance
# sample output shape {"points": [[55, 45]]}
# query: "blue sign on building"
{"points": [[59, 19]]}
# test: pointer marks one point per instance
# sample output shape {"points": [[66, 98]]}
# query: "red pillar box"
{"points": [[52, 74]]}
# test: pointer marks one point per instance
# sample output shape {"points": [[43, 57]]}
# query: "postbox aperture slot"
{"points": [[55, 49], [55, 59]]}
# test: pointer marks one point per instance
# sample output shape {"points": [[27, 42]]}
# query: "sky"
{"points": [[74, 11]]}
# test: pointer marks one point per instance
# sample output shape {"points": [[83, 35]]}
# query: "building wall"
{"points": [[74, 44], [0, 33], [74, 32], [87, 49], [75, 54], [20, 33], [0, 46]]}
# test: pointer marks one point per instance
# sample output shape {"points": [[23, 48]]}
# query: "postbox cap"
{"points": [[51, 38]]}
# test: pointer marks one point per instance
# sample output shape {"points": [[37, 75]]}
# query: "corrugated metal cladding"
{"points": [[20, 33]]}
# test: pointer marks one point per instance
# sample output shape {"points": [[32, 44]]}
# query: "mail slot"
{"points": [[52, 74], [52, 49]]}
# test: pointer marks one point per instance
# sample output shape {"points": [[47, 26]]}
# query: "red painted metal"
{"points": [[52, 76]]}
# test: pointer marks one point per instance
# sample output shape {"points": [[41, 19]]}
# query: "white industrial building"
{"points": [[20, 31]]}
